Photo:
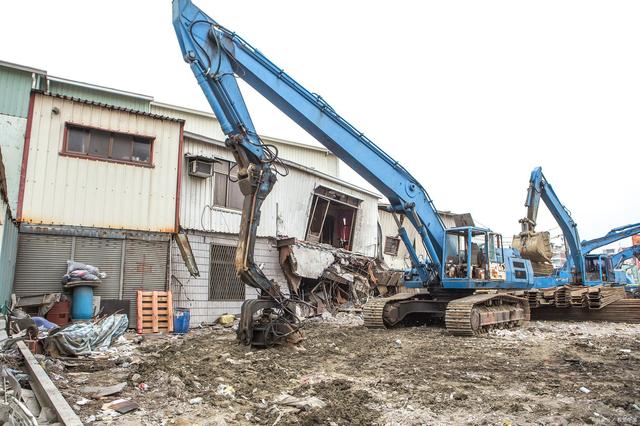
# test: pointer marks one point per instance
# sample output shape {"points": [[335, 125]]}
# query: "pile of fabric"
{"points": [[78, 272]]}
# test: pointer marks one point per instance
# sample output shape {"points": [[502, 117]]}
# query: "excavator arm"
{"points": [[622, 255], [612, 236], [541, 189], [217, 56]]}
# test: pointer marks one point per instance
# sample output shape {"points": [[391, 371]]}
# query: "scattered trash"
{"points": [[226, 390], [83, 401], [195, 401], [143, 387], [584, 390], [398, 343], [626, 351], [226, 320], [121, 406], [306, 403], [98, 392]]}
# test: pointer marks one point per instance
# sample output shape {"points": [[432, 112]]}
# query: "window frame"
{"points": [[65, 148], [227, 294], [231, 165], [397, 245]]}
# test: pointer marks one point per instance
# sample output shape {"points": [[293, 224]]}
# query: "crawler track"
{"points": [[476, 314], [373, 310]]}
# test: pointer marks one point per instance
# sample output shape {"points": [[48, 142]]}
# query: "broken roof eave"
{"points": [[310, 170]]}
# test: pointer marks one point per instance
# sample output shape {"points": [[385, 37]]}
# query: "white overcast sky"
{"points": [[469, 96]]}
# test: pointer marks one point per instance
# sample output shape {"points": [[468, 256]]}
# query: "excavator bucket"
{"points": [[534, 246]]}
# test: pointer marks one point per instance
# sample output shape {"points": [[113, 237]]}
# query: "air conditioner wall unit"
{"points": [[201, 167]]}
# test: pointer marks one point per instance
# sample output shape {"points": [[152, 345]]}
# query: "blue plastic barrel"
{"points": [[82, 305], [181, 318]]}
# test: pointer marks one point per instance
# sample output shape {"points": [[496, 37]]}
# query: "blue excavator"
{"points": [[582, 267], [469, 280]]}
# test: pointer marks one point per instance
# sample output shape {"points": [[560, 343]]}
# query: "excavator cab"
{"points": [[472, 256], [597, 269]]}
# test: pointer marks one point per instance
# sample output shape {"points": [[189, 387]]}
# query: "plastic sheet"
{"points": [[86, 338]]}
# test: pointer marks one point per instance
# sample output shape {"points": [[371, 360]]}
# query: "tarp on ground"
{"points": [[86, 338]]}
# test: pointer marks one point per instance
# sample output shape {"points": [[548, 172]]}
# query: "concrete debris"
{"points": [[195, 401], [306, 403], [97, 392], [226, 390], [333, 279]]}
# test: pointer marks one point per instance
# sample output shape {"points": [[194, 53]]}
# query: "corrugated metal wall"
{"points": [[284, 213], [71, 191], [130, 265], [207, 125], [42, 261], [194, 122], [69, 89], [8, 251], [193, 293], [145, 268], [15, 86], [12, 131]]}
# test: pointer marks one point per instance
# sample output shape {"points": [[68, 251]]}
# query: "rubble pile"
{"points": [[332, 279]]}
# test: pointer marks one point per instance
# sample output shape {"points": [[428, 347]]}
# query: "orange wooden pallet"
{"points": [[155, 312]]}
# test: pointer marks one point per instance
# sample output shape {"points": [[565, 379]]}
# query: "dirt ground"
{"points": [[393, 377]]}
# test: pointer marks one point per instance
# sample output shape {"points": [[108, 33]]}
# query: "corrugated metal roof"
{"points": [[92, 86], [113, 107], [21, 67]]}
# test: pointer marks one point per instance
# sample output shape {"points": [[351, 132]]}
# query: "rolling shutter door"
{"points": [[41, 263], [145, 268], [105, 254]]}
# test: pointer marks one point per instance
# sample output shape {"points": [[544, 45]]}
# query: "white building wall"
{"points": [[390, 229], [194, 292], [285, 211], [73, 191]]}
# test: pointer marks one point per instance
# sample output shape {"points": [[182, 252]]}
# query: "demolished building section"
{"points": [[332, 279]]}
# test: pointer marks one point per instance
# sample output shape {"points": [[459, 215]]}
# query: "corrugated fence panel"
{"points": [[64, 190], [145, 268], [15, 87], [60, 88], [105, 254], [41, 263], [8, 253]]}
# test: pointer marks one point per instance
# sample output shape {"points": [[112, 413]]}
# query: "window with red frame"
{"points": [[106, 145]]}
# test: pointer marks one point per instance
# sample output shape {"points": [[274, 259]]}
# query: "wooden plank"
{"points": [[139, 313], [154, 317], [46, 392], [170, 310]]}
